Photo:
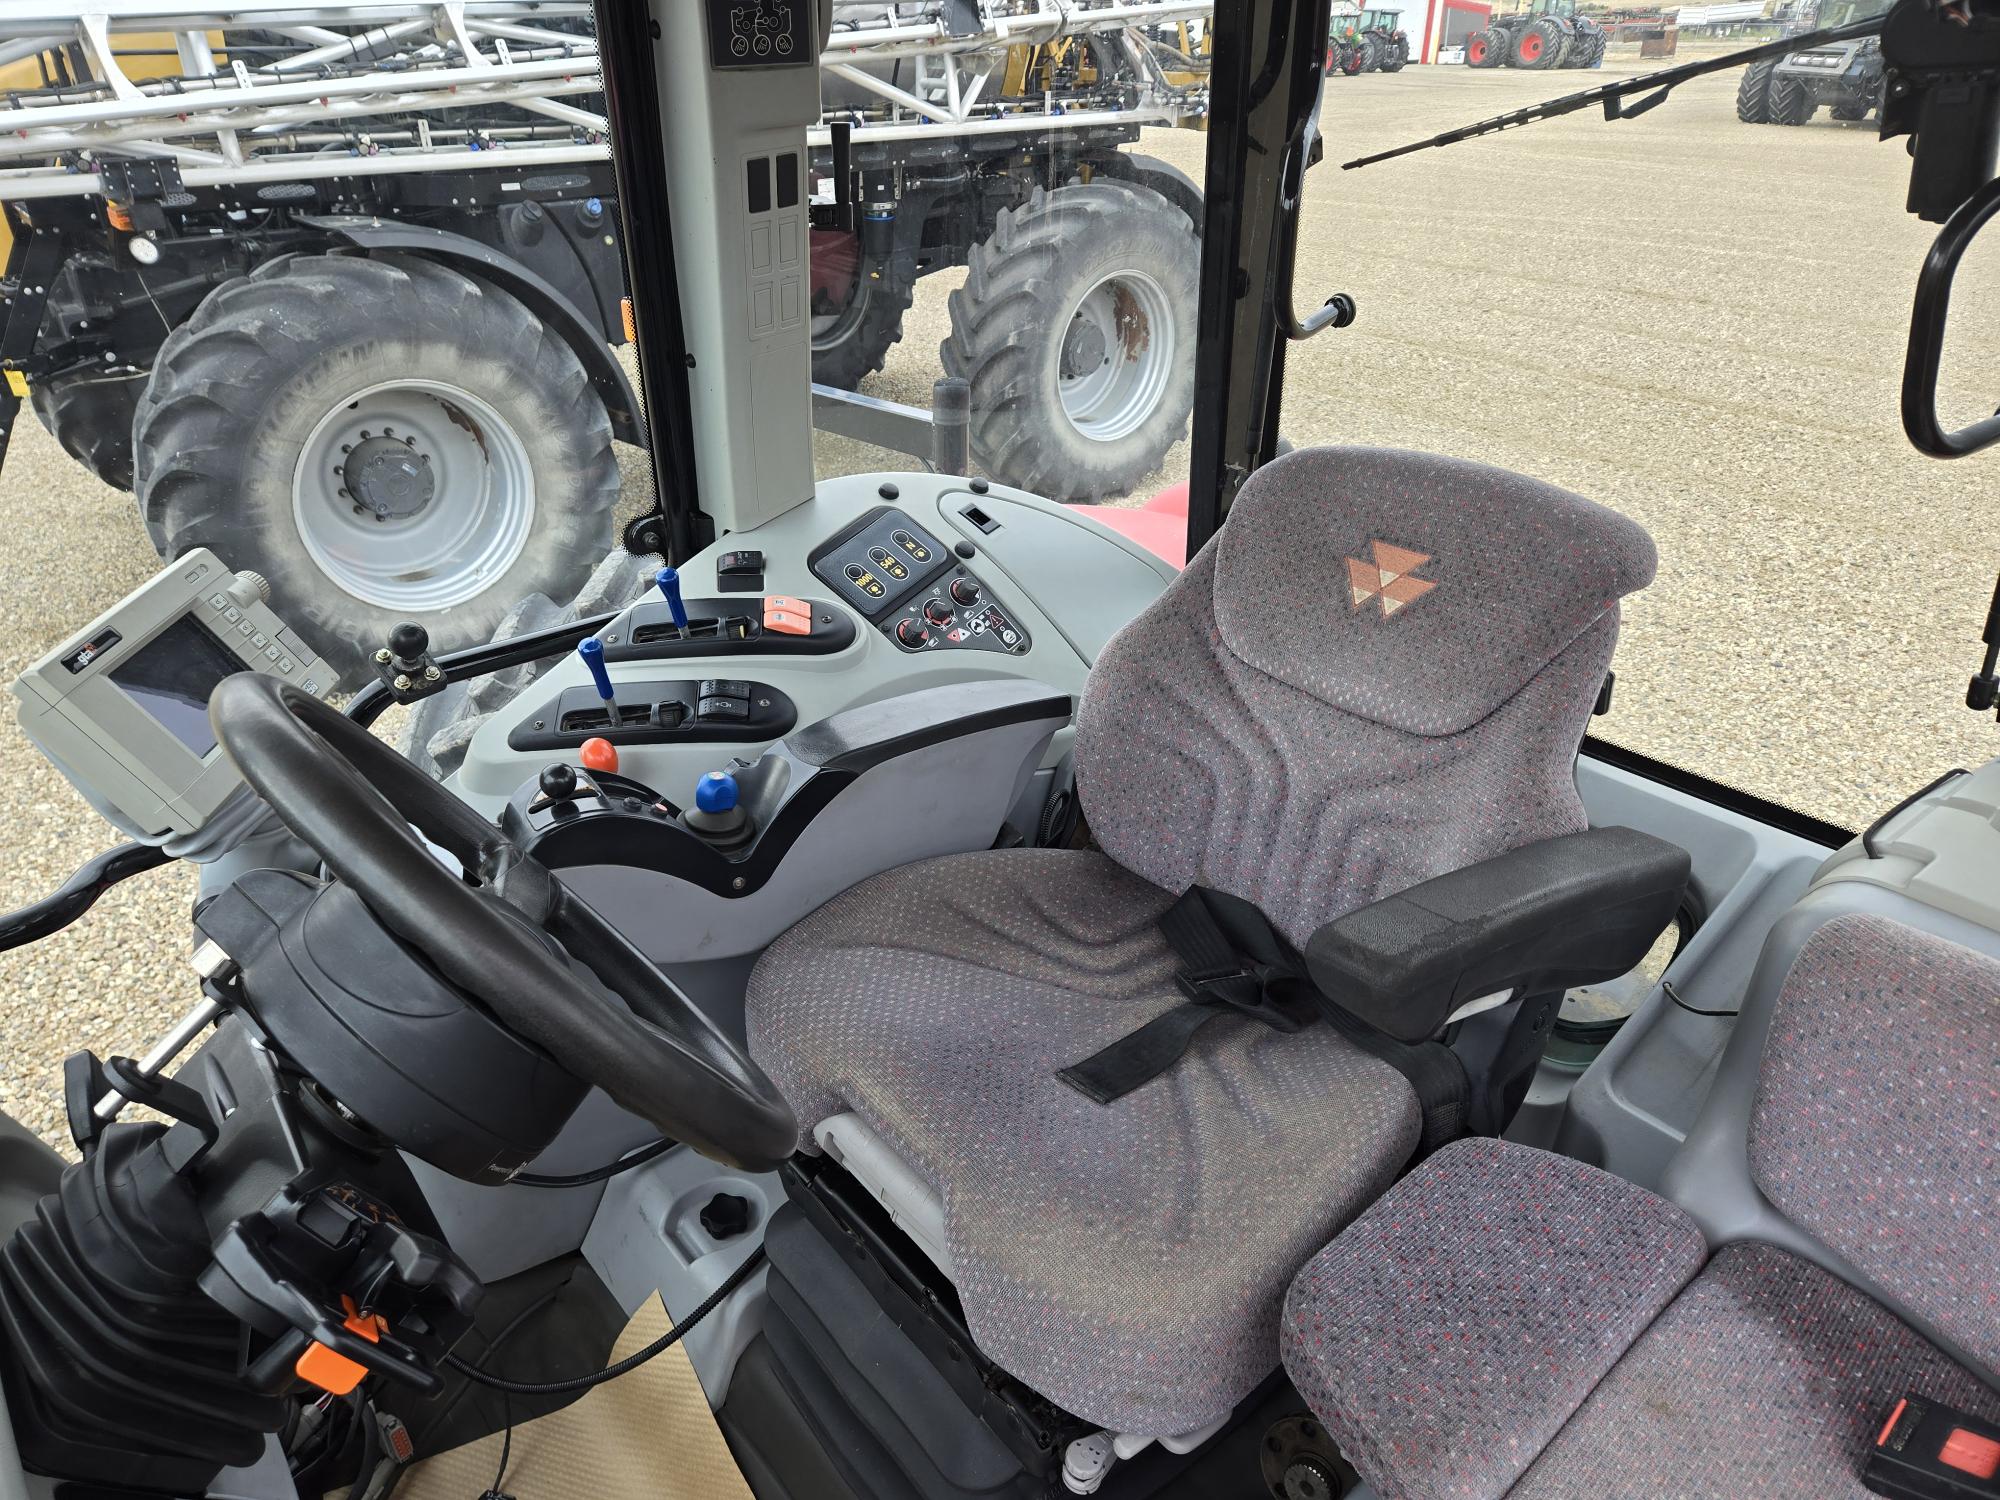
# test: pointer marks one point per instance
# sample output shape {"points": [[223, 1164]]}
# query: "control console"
{"points": [[914, 589]]}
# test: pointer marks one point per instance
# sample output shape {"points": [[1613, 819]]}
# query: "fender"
{"points": [[546, 301]]}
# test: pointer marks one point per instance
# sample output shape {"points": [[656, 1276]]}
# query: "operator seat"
{"points": [[1510, 1322], [1379, 671]]}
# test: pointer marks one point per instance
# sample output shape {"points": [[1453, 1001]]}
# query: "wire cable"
{"points": [[624, 1163], [1694, 1010], [631, 1362]]}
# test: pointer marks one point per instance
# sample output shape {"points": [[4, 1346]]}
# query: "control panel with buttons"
{"points": [[915, 589], [773, 625], [723, 710]]}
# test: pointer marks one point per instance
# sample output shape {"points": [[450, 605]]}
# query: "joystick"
{"points": [[716, 815], [558, 782], [669, 580]]}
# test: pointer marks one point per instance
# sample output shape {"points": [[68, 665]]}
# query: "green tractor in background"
{"points": [[1548, 34], [1363, 41]]}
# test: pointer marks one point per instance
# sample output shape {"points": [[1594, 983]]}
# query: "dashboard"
{"points": [[878, 586]]}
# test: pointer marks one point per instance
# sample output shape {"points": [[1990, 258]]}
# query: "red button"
{"points": [[786, 603], [785, 622], [1968, 1451]]}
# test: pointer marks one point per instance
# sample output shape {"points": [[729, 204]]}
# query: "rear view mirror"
{"points": [[1927, 329]]}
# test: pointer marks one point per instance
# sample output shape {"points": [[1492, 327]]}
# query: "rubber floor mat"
{"points": [[648, 1435]]}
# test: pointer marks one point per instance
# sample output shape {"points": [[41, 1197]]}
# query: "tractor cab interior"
{"points": [[942, 993]]}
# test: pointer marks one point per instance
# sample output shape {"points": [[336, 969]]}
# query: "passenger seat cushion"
{"points": [[1876, 1125], [1128, 1260], [1449, 1332], [1768, 1377]]}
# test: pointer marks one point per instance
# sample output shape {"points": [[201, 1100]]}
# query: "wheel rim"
{"points": [[1531, 48], [1116, 356], [414, 495]]}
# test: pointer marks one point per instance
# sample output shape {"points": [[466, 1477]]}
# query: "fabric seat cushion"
{"points": [[1876, 1125], [1768, 1376], [1127, 1260], [1453, 1328]]}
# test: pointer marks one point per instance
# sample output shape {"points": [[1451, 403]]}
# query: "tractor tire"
{"points": [[269, 432], [852, 344], [1371, 54], [1587, 47], [1790, 102], [1395, 54], [1163, 177], [1485, 49], [1353, 59], [1076, 329], [1538, 45], [1753, 94], [91, 416]]}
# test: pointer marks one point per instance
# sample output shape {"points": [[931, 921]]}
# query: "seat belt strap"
{"points": [[1245, 968], [1233, 959]]}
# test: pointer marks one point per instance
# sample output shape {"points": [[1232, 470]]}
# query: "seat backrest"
{"points": [[1875, 1125], [1378, 671]]}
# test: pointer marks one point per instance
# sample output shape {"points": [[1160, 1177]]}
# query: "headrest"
{"points": [[1415, 591]]}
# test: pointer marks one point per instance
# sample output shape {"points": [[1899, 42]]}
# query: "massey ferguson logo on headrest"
{"points": [[1388, 577]]}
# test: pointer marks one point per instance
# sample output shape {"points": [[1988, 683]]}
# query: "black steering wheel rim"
{"points": [[354, 801]]}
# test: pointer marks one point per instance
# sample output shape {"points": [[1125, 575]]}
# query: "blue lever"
{"points": [[715, 792], [592, 652], [669, 581]]}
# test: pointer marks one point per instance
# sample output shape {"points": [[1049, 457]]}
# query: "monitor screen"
{"points": [[171, 676]]}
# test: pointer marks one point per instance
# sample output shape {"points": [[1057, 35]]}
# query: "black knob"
{"points": [[408, 641], [965, 591], [911, 632], [937, 612], [558, 782], [725, 1216]]}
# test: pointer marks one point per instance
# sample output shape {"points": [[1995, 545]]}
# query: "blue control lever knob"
{"points": [[715, 792], [592, 652], [669, 581]]}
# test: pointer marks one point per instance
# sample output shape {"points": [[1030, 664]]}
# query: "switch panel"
{"points": [[880, 560], [915, 588], [713, 710]]}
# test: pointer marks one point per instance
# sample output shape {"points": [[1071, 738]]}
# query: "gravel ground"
{"points": [[1696, 321]]}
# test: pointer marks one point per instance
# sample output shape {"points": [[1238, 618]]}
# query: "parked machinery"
{"points": [[1363, 41], [441, 174], [1847, 77], [1548, 34]]}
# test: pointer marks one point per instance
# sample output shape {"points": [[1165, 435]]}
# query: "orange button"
{"points": [[1971, 1453], [786, 603], [598, 754], [785, 622], [329, 1369]]}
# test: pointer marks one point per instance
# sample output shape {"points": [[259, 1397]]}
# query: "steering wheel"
{"points": [[353, 800]]}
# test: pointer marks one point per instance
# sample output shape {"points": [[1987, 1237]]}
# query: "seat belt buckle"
{"points": [[1930, 1451], [1242, 991]]}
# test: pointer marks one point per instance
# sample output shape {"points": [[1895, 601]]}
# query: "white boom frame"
{"points": [[308, 115]]}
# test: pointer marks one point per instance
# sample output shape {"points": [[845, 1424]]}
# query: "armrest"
{"points": [[1420, 1336], [1577, 909], [857, 739]]}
